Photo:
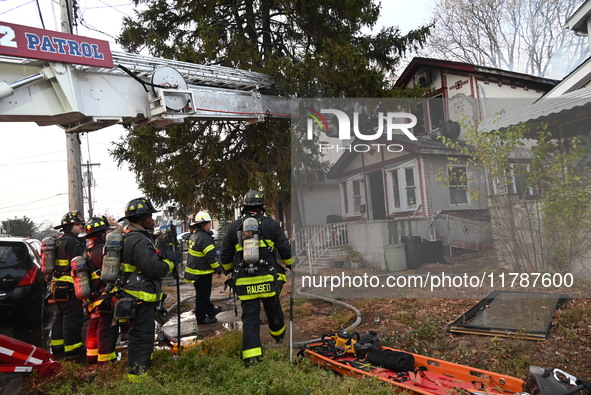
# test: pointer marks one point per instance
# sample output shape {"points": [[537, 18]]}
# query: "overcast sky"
{"points": [[33, 173]]}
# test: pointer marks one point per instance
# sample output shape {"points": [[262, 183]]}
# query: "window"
{"points": [[430, 115], [396, 189], [411, 198], [517, 181], [345, 197], [351, 197], [418, 111], [402, 187], [436, 112], [458, 184], [357, 196]]}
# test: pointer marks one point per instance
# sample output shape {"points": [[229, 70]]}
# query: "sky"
{"points": [[33, 170]]}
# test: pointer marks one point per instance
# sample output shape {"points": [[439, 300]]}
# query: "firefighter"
{"points": [[261, 281], [166, 241], [202, 264], [158, 239], [66, 331], [143, 270], [101, 335]]}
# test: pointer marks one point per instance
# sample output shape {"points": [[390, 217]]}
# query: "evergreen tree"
{"points": [[310, 48], [23, 227]]}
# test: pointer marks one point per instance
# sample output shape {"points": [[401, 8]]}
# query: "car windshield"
{"points": [[11, 254]]}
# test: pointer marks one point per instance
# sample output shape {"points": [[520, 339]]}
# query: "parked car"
{"points": [[22, 284]]}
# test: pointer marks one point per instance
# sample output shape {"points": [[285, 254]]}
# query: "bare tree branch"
{"points": [[519, 35]]}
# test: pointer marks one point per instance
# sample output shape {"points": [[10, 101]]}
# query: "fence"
{"points": [[314, 240], [463, 233]]}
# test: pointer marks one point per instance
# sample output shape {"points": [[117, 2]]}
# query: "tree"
{"points": [[310, 48], [23, 227], [538, 195], [526, 36], [45, 229]]}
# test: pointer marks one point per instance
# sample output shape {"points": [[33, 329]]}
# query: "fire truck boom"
{"points": [[140, 90]]}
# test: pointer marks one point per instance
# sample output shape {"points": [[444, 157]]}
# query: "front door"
{"points": [[377, 203]]}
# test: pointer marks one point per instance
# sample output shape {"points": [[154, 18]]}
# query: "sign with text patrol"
{"points": [[29, 42]]}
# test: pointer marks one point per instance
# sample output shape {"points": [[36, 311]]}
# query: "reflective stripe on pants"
{"points": [[251, 309]]}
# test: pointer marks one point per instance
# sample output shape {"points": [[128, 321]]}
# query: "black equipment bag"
{"points": [[396, 361]]}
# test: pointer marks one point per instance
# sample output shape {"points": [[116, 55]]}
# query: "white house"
{"points": [[386, 196]]}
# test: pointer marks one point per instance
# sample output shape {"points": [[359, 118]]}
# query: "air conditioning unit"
{"points": [[423, 79]]}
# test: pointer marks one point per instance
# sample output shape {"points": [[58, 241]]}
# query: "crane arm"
{"points": [[134, 89]]}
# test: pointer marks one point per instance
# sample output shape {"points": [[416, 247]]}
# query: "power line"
{"points": [[40, 15], [41, 154], [84, 23], [33, 201], [12, 9], [89, 179], [113, 7], [31, 163]]}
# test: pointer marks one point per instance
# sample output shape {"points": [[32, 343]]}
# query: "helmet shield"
{"points": [[202, 217], [72, 217], [253, 198], [137, 207], [96, 225]]}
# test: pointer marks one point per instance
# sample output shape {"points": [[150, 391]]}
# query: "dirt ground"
{"points": [[420, 325]]}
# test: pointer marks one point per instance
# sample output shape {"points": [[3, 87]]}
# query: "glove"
{"points": [[219, 269], [162, 254], [161, 316], [229, 283]]}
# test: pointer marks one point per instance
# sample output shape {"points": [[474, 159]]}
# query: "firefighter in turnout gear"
{"points": [[257, 280], [143, 270], [201, 266], [165, 242], [66, 331], [101, 335]]}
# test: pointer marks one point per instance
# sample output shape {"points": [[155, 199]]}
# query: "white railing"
{"points": [[314, 240]]}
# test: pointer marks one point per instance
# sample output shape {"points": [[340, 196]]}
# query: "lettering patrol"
{"points": [[63, 46]]}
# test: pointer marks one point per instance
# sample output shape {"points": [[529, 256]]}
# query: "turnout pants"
{"points": [[203, 305], [66, 331], [101, 335], [141, 338], [251, 322]]}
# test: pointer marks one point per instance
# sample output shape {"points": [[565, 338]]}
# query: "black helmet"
{"points": [[72, 217], [253, 198], [138, 206], [96, 225]]}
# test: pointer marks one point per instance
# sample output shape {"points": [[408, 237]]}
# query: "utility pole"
{"points": [[75, 187], [89, 185]]}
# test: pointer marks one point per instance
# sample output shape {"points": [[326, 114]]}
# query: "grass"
{"points": [[414, 325], [220, 371]]}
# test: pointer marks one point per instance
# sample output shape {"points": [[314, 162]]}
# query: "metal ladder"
{"points": [[194, 74]]}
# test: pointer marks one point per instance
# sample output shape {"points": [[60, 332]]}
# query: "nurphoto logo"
{"points": [[382, 123]]}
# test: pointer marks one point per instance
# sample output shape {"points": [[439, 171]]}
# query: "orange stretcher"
{"points": [[430, 376]]}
